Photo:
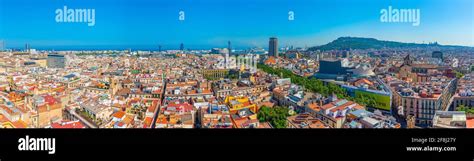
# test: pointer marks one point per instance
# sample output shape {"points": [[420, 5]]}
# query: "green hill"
{"points": [[346, 43]]}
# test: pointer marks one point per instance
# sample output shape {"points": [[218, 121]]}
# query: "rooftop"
{"points": [[449, 119]]}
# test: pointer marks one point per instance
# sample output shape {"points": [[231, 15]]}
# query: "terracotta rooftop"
{"points": [[68, 125], [119, 114]]}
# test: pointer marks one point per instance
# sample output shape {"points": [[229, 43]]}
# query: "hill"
{"points": [[346, 43]]}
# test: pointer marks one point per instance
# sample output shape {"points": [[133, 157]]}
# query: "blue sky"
{"points": [[246, 23]]}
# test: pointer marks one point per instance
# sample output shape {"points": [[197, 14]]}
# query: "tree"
{"points": [[465, 109], [263, 114], [458, 74], [311, 84], [276, 116], [461, 108]]}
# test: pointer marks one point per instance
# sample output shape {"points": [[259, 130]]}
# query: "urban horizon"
{"points": [[156, 47], [344, 77]]}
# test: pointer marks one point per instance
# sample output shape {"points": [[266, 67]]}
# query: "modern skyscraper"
{"points": [[229, 46], [226, 55], [27, 47], [273, 47], [181, 47]]}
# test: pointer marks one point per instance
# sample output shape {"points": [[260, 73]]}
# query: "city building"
{"points": [[56, 61], [370, 87], [305, 120], [238, 103], [422, 99], [176, 114], [362, 118], [465, 92], [244, 118], [181, 47], [46, 109], [68, 125], [215, 116], [449, 119], [332, 111], [438, 55], [411, 72], [333, 69], [273, 47]]}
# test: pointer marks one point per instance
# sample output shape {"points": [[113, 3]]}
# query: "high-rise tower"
{"points": [[273, 47], [181, 47]]}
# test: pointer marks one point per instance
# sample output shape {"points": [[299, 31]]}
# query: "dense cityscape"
{"points": [[343, 84], [147, 79]]}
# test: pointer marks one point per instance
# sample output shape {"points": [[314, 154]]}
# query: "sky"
{"points": [[246, 23]]}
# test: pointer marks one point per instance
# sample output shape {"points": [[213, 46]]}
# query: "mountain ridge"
{"points": [[347, 43]]}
